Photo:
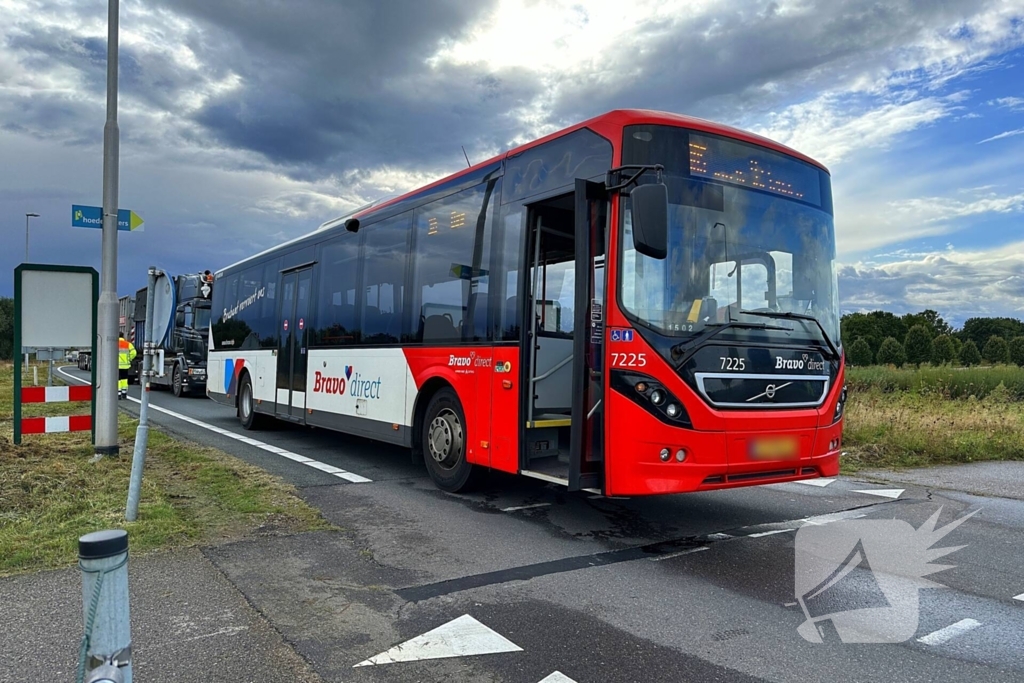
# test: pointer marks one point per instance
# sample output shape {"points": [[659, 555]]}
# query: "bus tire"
{"points": [[247, 414], [444, 443]]}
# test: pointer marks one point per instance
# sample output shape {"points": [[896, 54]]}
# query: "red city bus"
{"points": [[641, 303]]}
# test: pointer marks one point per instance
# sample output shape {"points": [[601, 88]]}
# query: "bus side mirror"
{"points": [[650, 220]]}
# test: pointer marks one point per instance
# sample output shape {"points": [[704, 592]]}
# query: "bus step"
{"points": [[549, 420]]}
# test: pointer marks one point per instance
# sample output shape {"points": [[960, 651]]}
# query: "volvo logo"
{"points": [[769, 392]]}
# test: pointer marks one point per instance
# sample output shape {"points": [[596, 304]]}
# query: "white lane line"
{"points": [[315, 464], [719, 537], [944, 635], [1019, 597], [679, 554], [769, 533], [525, 507]]}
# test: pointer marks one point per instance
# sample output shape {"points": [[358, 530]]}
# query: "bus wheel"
{"points": [[444, 443], [247, 406]]}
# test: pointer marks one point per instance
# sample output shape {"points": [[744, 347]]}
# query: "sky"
{"points": [[245, 123]]}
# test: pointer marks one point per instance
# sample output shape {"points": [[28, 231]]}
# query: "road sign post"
{"points": [[142, 432], [106, 357], [84, 216]]}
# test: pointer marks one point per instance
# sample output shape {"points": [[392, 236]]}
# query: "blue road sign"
{"points": [[92, 217]]}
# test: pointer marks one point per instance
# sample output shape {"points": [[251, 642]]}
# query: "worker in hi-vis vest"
{"points": [[125, 356]]}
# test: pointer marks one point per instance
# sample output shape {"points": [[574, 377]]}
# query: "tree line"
{"points": [[6, 328], [883, 338]]}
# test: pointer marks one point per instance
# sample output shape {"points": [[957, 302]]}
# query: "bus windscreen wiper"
{"points": [[685, 349], [798, 316]]}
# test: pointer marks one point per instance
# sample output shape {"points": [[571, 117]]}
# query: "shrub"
{"points": [[996, 350], [860, 353], [1017, 351], [969, 354], [918, 345], [891, 353], [943, 350], [957, 345]]}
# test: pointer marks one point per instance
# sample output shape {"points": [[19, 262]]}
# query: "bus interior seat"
{"points": [[439, 328]]}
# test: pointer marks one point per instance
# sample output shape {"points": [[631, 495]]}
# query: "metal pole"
{"points": [[142, 433], [27, 216], [106, 368], [49, 370], [107, 639]]}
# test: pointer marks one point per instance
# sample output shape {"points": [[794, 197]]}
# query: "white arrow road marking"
{"points": [[1019, 597], [309, 462], [820, 482], [884, 493], [462, 637], [952, 631], [557, 677]]}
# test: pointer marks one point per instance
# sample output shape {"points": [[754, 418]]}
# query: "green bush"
{"points": [[969, 354], [860, 353], [996, 350], [1017, 351], [6, 328], [918, 345], [943, 351], [891, 353]]}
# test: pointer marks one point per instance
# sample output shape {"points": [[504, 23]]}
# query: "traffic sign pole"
{"points": [[106, 385]]}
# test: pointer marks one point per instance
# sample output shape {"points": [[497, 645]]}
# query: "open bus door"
{"points": [[563, 364], [586, 435]]}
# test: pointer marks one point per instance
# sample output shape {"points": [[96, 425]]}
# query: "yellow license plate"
{"points": [[774, 448]]}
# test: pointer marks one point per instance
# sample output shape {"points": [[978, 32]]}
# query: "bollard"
{"points": [[106, 650], [35, 376]]}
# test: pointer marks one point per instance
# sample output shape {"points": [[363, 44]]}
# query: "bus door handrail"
{"points": [[550, 372]]}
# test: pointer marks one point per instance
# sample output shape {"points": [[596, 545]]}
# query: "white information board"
{"points": [[56, 309]]}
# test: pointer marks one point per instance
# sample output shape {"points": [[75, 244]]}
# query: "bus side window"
{"points": [[451, 279], [336, 323], [385, 251]]}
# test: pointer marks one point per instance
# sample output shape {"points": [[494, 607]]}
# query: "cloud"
{"points": [[1014, 103], [958, 284], [1007, 134]]}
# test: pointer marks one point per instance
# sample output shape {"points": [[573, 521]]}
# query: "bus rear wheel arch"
{"points": [[442, 441]]}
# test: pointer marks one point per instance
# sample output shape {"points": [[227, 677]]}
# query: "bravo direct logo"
{"points": [[470, 361], [352, 384], [805, 362]]}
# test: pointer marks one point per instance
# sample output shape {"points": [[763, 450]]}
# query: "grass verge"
{"points": [[50, 493], [908, 429]]}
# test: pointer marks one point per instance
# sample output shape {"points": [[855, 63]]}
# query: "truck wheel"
{"points": [[444, 443], [247, 414], [177, 383]]}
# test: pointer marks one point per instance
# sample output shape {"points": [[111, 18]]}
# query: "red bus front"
{"points": [[723, 357]]}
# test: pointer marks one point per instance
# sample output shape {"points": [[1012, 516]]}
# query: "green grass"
{"points": [[946, 382], [50, 494], [916, 428]]}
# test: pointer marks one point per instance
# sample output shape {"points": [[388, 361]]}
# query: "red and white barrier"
{"points": [[56, 394], [48, 425]]}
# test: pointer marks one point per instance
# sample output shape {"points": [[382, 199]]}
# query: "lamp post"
{"points": [[28, 216]]}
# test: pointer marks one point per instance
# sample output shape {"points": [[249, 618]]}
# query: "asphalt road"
{"points": [[695, 587]]}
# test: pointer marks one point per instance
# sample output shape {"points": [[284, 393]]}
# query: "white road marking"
{"points": [[820, 482], [1019, 597], [884, 493], [315, 464], [719, 537], [462, 637], [944, 635], [525, 507], [556, 677], [769, 533], [678, 554]]}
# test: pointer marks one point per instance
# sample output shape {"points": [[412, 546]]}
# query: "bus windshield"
{"points": [[734, 249]]}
